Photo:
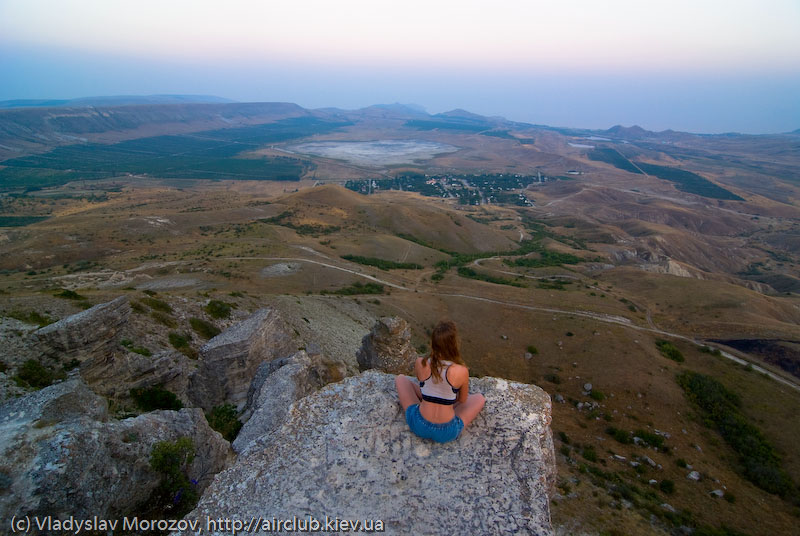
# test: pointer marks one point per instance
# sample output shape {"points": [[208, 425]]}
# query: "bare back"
{"points": [[457, 376]]}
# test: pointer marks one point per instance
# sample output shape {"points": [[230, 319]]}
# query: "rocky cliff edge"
{"points": [[345, 452]]}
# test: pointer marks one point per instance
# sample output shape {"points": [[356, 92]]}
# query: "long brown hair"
{"points": [[444, 347]]}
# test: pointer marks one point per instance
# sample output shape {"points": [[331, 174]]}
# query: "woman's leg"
{"points": [[407, 391], [470, 409]]}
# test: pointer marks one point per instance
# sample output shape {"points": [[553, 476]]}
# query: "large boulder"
{"points": [[62, 455], [116, 374], [388, 347], [86, 335], [277, 385], [229, 361], [345, 451]]}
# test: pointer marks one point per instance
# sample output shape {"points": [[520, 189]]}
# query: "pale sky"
{"points": [[701, 66]]}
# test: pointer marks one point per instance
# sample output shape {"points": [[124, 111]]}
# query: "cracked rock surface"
{"points": [[346, 451]]}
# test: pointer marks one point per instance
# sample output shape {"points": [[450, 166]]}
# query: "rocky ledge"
{"points": [[346, 452]]}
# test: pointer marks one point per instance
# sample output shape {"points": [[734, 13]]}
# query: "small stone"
{"points": [[619, 458], [635, 464], [718, 493], [587, 387], [694, 475], [668, 507], [528, 355], [504, 337], [649, 462], [558, 398], [652, 482]]}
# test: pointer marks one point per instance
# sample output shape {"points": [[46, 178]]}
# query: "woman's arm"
{"points": [[418, 368], [458, 376]]}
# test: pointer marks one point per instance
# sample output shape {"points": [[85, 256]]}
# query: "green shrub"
{"points": [[31, 317], [667, 486], [680, 462], [218, 309], [69, 295], [34, 374], [204, 328], [157, 305], [358, 288], [620, 435], [164, 318], [564, 437], [532, 349], [758, 460], [669, 350], [224, 420], [175, 493], [178, 340], [153, 398], [589, 454], [597, 395], [383, 264], [3, 366], [138, 308], [651, 439], [553, 378], [709, 350]]}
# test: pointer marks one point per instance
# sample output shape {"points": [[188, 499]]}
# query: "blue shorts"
{"points": [[439, 432]]}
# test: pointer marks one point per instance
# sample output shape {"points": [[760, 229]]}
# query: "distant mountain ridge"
{"points": [[114, 100]]}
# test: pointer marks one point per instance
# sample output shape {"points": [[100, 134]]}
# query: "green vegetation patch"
{"points": [[204, 328], [669, 350], [758, 460], [20, 221], [383, 264], [469, 273], [613, 157], [218, 309], [31, 317], [69, 295], [153, 398], [215, 154], [157, 305], [176, 495], [224, 419], [33, 374], [689, 182], [546, 258], [357, 288]]}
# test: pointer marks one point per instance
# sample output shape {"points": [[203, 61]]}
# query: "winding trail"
{"points": [[599, 317]]}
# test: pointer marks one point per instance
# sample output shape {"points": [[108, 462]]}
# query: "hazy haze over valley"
{"points": [[214, 217]]}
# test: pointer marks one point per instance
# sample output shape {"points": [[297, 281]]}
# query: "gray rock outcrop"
{"points": [[62, 456], [277, 385], [388, 347], [115, 375], [85, 335], [346, 451], [229, 361]]}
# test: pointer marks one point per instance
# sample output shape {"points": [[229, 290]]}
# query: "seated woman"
{"points": [[440, 406]]}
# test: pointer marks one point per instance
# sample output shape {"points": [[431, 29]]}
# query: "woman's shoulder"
{"points": [[457, 372]]}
